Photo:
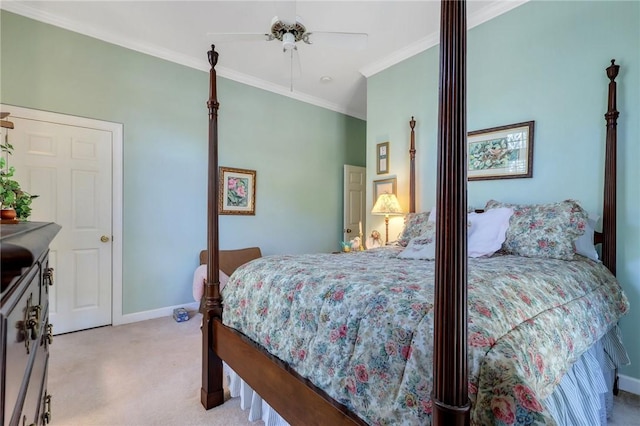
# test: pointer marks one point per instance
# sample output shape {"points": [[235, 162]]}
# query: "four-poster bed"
{"points": [[277, 381]]}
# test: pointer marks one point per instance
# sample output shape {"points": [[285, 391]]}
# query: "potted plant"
{"points": [[12, 197]]}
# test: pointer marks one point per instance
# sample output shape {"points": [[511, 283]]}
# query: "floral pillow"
{"points": [[543, 230], [415, 224], [422, 246]]}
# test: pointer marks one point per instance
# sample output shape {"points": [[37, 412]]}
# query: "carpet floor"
{"points": [[149, 372], [144, 373]]}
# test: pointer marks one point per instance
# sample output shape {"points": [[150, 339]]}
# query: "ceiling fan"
{"points": [[292, 31]]}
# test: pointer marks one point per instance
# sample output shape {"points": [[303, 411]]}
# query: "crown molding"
{"points": [[400, 55], [496, 9], [23, 9]]}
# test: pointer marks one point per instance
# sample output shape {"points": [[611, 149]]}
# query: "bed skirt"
{"points": [[250, 400], [584, 395]]}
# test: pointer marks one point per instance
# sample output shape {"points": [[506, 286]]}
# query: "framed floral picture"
{"points": [[237, 192], [504, 152]]}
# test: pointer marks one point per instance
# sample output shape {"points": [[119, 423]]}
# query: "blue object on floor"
{"points": [[180, 314]]}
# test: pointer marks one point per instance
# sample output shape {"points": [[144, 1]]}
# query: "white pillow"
{"points": [[199, 279], [432, 215], [584, 243], [488, 231]]}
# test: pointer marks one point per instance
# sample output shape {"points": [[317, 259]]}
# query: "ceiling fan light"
{"points": [[288, 41]]}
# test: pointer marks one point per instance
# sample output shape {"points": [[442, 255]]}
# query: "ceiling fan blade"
{"points": [[341, 40], [235, 37]]}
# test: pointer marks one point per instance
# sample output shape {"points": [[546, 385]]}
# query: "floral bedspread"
{"points": [[360, 326]]}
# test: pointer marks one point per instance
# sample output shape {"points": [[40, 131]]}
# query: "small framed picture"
{"points": [[504, 152], [382, 155], [383, 185], [237, 191]]}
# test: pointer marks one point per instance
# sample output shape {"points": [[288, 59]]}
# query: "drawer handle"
{"points": [[48, 276], [46, 416], [28, 330], [49, 334], [33, 321]]}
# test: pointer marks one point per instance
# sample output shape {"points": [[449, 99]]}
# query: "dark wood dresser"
{"points": [[24, 326]]}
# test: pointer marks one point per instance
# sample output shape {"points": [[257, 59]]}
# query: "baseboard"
{"points": [[155, 313], [629, 384]]}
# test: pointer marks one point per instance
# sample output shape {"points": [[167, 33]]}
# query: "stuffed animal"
{"points": [[374, 240], [355, 244]]}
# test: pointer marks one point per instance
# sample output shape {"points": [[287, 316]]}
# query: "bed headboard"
{"points": [[230, 259]]}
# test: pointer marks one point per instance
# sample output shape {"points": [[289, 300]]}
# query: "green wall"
{"points": [[543, 61], [298, 151]]}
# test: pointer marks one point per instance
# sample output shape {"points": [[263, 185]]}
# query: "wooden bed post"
{"points": [[450, 370], [412, 168], [609, 228], [609, 210], [212, 392]]}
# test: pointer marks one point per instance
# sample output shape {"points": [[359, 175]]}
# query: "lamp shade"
{"points": [[387, 204]]}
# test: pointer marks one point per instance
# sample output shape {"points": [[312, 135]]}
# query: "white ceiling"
{"points": [[177, 31]]}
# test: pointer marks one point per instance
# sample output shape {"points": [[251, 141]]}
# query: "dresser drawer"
{"points": [[25, 278], [23, 329], [35, 404]]}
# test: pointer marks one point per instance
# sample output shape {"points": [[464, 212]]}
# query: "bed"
{"points": [[436, 347]]}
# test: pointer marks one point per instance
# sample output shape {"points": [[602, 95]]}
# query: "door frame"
{"points": [[117, 153]]}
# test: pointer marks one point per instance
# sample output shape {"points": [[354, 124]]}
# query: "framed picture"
{"points": [[383, 185], [504, 152], [382, 156], [237, 191]]}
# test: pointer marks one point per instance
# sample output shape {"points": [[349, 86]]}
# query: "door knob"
{"points": [[347, 231], [104, 239]]}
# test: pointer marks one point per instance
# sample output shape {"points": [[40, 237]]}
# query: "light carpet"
{"points": [[144, 373], [149, 373]]}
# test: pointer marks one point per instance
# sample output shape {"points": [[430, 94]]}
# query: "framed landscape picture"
{"points": [[237, 191], [504, 152]]}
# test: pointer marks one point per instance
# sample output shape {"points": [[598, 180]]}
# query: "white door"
{"points": [[70, 168], [354, 201]]}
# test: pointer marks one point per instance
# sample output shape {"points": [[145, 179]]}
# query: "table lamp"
{"points": [[387, 204]]}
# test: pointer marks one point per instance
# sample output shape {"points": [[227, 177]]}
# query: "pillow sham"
{"points": [[422, 246], [415, 224], [543, 230], [488, 231]]}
